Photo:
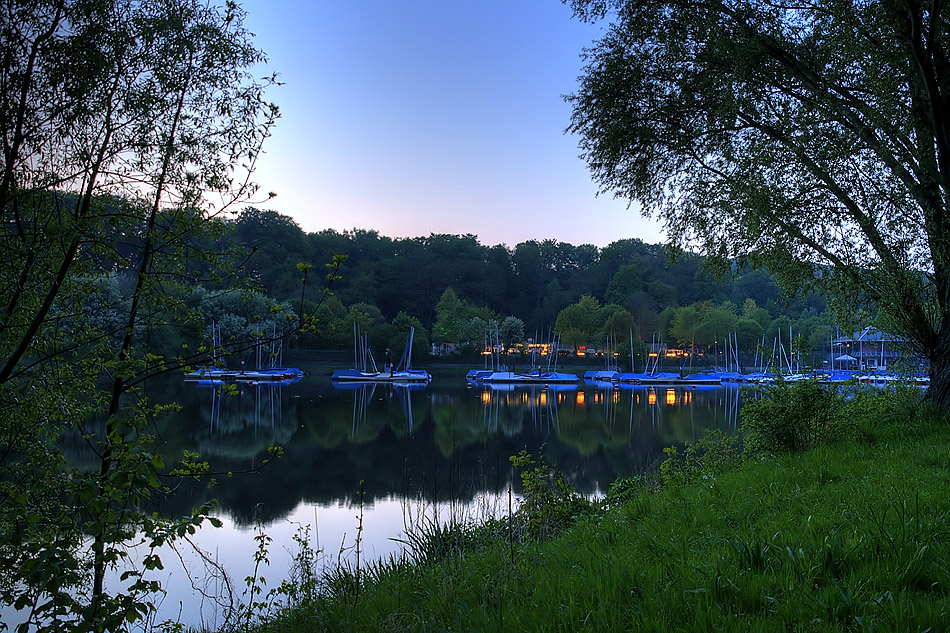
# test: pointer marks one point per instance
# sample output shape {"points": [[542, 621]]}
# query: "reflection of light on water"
{"points": [[671, 396], [543, 399], [651, 397], [580, 398], [486, 397]]}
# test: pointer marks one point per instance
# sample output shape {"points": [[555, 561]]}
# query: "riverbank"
{"points": [[850, 535]]}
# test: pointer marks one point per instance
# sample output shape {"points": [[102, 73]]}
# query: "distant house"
{"points": [[441, 349], [869, 348]]}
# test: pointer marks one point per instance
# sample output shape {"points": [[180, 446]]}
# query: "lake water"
{"points": [[386, 457]]}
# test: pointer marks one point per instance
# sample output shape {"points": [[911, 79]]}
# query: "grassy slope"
{"points": [[851, 537]]}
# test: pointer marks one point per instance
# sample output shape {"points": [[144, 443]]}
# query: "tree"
{"points": [[719, 323], [511, 331], [331, 328], [813, 137], [750, 310], [448, 314], [401, 326], [703, 324], [365, 316], [529, 279], [684, 325], [628, 280], [577, 322], [118, 121], [474, 332], [748, 334], [619, 325], [278, 244]]}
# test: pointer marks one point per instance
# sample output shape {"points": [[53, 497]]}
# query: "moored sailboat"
{"points": [[367, 371]]}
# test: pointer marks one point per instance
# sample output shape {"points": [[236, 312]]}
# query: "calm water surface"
{"points": [[391, 456]]}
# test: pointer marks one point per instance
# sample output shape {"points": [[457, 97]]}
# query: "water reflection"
{"points": [[442, 448], [363, 394], [445, 441], [507, 408], [239, 421]]}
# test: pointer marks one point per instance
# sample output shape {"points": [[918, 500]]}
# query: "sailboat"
{"points": [[488, 352], [364, 369], [403, 371], [213, 373], [277, 371], [367, 371], [534, 376], [549, 375], [609, 373]]}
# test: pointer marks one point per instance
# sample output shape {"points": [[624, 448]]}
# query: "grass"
{"points": [[851, 536]]}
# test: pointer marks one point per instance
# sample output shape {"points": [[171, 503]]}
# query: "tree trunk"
{"points": [[939, 390]]}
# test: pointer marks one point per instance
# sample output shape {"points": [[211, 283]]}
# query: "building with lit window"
{"points": [[871, 349]]}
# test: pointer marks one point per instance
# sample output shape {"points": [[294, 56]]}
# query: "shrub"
{"points": [[791, 417], [550, 502], [873, 407], [710, 455], [626, 489]]}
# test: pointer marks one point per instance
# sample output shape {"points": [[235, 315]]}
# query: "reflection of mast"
{"points": [[630, 421], [406, 400], [653, 402], [246, 407], [361, 400], [541, 404], [733, 395], [215, 404], [271, 405], [542, 409], [611, 403]]}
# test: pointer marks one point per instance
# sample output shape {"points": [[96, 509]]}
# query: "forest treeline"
{"points": [[444, 284]]}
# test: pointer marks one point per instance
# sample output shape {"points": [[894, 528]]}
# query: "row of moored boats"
{"points": [[366, 371]]}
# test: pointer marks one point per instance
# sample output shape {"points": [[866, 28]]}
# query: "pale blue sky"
{"points": [[432, 116]]}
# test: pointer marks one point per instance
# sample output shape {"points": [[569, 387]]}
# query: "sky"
{"points": [[414, 117]]}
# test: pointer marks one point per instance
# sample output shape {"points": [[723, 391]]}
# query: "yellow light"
{"points": [[616, 397], [580, 397], [486, 397], [670, 396], [651, 397], [544, 398]]}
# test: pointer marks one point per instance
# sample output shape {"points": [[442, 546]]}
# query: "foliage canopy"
{"points": [[812, 137], [126, 129]]}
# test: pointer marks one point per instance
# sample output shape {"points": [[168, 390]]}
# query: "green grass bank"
{"points": [[834, 517]]}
